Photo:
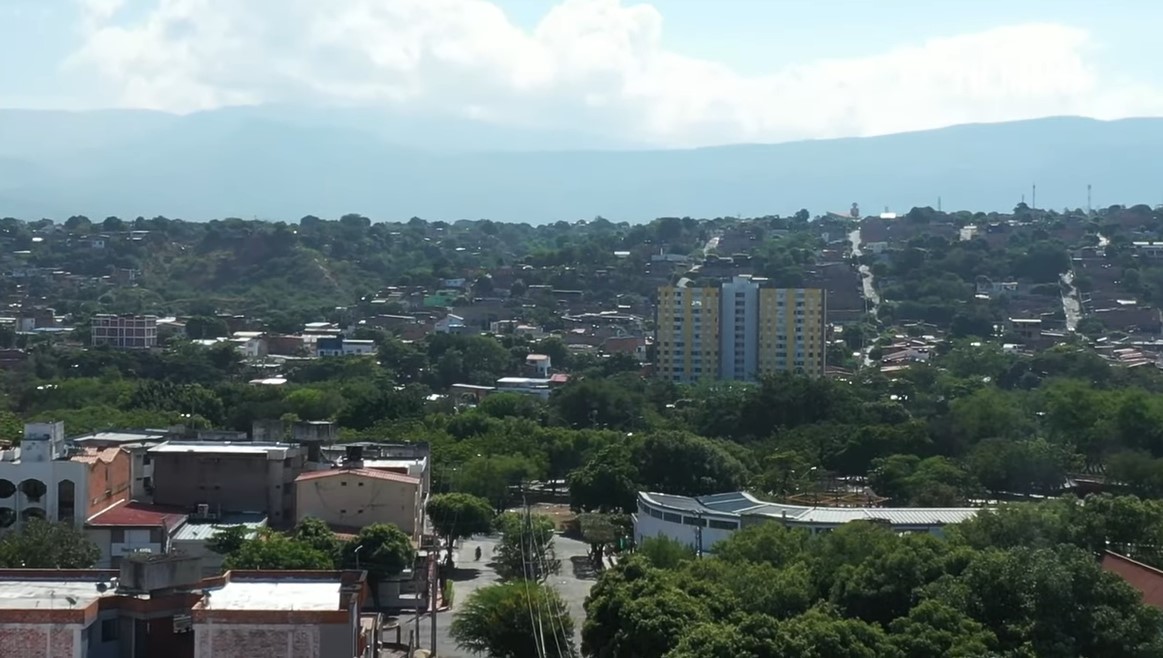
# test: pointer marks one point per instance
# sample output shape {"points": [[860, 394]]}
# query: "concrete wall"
{"points": [[357, 501], [240, 483]]}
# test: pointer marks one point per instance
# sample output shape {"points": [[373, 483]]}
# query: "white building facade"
{"points": [[35, 482], [705, 521]]}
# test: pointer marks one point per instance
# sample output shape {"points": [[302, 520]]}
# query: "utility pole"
{"points": [[1088, 208], [434, 583], [1034, 197], [421, 586]]}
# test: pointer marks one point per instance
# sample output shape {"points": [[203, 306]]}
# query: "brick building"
{"points": [[124, 331], [283, 613], [160, 606]]}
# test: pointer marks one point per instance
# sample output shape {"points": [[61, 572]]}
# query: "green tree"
{"points": [[200, 327], [458, 515], [493, 477], [514, 620], [40, 544], [511, 405], [526, 549], [228, 540], [607, 483], [382, 550], [600, 532], [315, 403], [933, 628], [319, 536], [635, 611], [663, 552], [273, 550], [684, 464]]}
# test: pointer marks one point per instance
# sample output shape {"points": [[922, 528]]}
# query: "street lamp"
{"points": [[356, 553]]}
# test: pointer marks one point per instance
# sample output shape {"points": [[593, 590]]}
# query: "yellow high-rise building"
{"points": [[741, 331]]}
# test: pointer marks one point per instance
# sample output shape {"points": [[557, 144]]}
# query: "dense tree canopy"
{"points": [[40, 544], [863, 591], [514, 620]]}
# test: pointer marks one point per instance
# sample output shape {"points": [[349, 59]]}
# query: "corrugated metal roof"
{"points": [[740, 503], [203, 530], [676, 502]]}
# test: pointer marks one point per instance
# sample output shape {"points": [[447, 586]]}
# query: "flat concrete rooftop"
{"points": [[223, 447], [290, 594], [49, 594]]}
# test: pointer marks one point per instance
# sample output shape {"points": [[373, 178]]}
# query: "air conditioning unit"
{"points": [[203, 510]]}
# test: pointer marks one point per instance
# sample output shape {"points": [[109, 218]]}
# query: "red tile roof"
{"points": [[140, 515], [375, 474]]}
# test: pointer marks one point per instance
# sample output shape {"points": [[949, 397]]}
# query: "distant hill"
{"points": [[283, 163]]}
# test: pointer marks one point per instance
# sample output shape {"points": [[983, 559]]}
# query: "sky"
{"points": [[666, 72]]}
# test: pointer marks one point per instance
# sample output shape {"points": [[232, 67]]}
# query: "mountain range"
{"points": [[284, 163]]}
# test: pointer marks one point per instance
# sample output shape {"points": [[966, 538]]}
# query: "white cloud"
{"points": [[593, 63]]}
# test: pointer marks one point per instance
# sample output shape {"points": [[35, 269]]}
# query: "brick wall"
{"points": [[39, 641], [247, 641], [109, 482]]}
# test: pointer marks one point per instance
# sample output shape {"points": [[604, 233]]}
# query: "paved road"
{"points": [[573, 583]]}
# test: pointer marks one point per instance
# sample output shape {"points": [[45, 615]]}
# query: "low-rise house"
{"points": [[133, 527], [450, 324], [354, 496], [538, 364], [343, 346]]}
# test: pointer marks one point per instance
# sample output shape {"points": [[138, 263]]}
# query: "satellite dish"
{"points": [[101, 587]]}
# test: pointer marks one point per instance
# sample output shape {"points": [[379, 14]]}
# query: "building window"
{"points": [[66, 501], [33, 490], [724, 525]]}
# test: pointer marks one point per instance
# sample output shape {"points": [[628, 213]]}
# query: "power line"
{"points": [[538, 642], [555, 624]]}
